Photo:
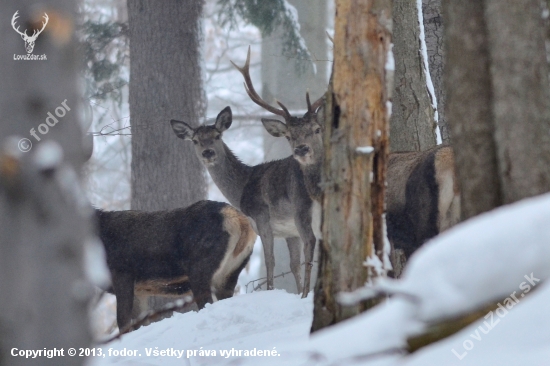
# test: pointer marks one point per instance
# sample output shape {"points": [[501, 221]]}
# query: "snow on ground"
{"points": [[259, 320], [501, 254]]}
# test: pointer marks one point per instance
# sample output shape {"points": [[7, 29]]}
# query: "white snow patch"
{"points": [[429, 83], [390, 61], [364, 149]]}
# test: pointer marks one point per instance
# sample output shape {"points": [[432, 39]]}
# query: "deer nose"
{"points": [[208, 153], [301, 150]]}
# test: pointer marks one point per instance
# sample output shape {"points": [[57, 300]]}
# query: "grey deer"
{"points": [[274, 194], [422, 196]]}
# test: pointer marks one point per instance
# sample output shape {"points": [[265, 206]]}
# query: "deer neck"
{"points": [[230, 175], [312, 178]]}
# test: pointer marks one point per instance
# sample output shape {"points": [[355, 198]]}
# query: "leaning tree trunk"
{"points": [[412, 124], [433, 31], [356, 146], [44, 216], [165, 83], [497, 68]]}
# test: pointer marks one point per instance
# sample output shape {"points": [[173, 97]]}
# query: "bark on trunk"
{"points": [[521, 96], [468, 85], [354, 179], [412, 124], [44, 216], [497, 67], [165, 83]]}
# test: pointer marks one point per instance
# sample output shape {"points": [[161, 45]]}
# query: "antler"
{"points": [[312, 108], [254, 95], [15, 16], [46, 18]]}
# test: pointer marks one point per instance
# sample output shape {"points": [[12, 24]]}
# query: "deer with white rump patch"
{"points": [[274, 194], [202, 248]]}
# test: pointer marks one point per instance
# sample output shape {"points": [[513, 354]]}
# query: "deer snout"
{"points": [[301, 150], [208, 153]]}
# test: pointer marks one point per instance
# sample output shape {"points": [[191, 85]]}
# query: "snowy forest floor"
{"points": [[501, 256]]}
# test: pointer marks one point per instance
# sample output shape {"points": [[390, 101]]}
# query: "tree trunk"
{"points": [[521, 97], [165, 83], [496, 67], [468, 83], [282, 80], [412, 124], [44, 215], [433, 31], [356, 146]]}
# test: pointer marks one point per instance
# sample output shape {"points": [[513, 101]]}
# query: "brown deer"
{"points": [[274, 194], [202, 248], [422, 196]]}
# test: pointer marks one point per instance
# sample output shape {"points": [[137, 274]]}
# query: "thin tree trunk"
{"points": [[165, 83], [433, 31], [412, 124], [354, 174], [44, 216]]}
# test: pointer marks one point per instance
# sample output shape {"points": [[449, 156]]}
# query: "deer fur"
{"points": [[422, 197], [202, 248], [273, 194]]}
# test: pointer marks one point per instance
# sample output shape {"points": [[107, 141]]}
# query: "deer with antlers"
{"points": [[422, 196], [29, 40]]}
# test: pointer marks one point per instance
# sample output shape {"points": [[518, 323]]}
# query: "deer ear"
{"points": [[224, 119], [275, 127], [182, 129]]}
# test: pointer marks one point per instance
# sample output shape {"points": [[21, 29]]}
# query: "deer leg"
{"points": [[229, 287], [266, 234], [294, 251], [123, 284], [200, 286], [303, 224]]}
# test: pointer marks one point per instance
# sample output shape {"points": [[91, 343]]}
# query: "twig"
{"points": [[265, 278]]}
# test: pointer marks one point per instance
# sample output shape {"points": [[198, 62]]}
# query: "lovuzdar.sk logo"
{"points": [[29, 40]]}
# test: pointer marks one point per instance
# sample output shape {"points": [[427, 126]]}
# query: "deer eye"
{"points": [[195, 142], [288, 138], [218, 137], [318, 130]]}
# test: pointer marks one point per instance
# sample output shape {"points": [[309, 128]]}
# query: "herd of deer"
{"points": [[205, 246]]}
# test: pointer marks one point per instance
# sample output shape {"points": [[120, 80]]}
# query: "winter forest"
{"points": [[275, 182]]}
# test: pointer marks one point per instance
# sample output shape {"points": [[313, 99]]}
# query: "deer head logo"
{"points": [[29, 41]]}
